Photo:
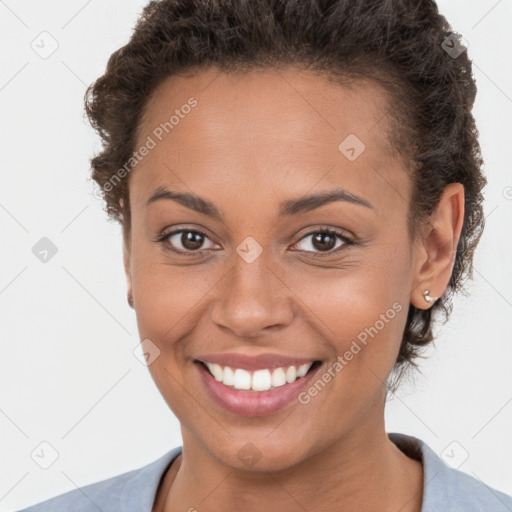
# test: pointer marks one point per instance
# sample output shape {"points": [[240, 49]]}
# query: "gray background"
{"points": [[68, 374]]}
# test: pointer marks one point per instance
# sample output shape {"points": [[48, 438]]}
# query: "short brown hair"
{"points": [[401, 44]]}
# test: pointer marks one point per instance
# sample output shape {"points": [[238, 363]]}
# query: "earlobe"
{"points": [[127, 271], [437, 249]]}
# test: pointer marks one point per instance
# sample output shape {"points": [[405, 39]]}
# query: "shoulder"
{"points": [[449, 489], [131, 491]]}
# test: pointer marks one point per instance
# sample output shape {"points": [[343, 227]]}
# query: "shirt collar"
{"points": [[444, 488]]}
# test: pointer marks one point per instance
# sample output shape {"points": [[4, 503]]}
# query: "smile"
{"points": [[261, 387], [259, 380]]}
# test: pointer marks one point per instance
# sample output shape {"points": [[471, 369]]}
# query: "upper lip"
{"points": [[257, 362]]}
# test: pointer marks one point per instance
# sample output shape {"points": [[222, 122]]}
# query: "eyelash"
{"points": [[164, 238]]}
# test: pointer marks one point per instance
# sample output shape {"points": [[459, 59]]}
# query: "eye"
{"points": [[325, 241], [191, 240]]}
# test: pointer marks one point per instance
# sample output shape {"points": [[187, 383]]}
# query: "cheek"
{"points": [[359, 310], [361, 316], [164, 295], [170, 299], [352, 297]]}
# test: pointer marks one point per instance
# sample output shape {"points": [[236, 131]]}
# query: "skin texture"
{"points": [[253, 141]]}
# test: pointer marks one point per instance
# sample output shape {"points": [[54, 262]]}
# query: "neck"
{"points": [[363, 470]]}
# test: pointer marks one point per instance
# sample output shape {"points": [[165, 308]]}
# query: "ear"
{"points": [[436, 247], [127, 269]]}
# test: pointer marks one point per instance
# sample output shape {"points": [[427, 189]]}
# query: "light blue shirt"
{"points": [[444, 489]]}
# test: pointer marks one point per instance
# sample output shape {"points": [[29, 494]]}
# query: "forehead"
{"points": [[289, 127], [272, 100]]}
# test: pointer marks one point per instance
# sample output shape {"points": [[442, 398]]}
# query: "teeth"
{"points": [[278, 378], [228, 377], [242, 379], [303, 369], [291, 374], [259, 380], [216, 370]]}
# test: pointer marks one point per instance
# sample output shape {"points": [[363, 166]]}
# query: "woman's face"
{"points": [[265, 279]]}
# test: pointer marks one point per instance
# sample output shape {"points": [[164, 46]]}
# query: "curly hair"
{"points": [[403, 45]]}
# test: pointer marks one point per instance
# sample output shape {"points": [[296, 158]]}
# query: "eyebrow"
{"points": [[287, 208]]}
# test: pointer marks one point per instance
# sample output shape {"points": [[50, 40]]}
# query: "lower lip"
{"points": [[254, 403]]}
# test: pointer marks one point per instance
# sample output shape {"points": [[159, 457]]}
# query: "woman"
{"points": [[299, 187]]}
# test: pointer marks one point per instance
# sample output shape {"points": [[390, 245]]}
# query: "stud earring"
{"points": [[428, 298]]}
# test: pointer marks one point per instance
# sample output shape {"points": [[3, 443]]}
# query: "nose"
{"points": [[252, 300]]}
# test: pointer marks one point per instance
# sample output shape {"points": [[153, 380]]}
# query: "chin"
{"points": [[254, 459]]}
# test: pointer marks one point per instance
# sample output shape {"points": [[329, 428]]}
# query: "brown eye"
{"points": [[185, 241], [191, 240], [324, 241]]}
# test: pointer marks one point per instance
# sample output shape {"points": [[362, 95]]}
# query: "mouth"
{"points": [[259, 380], [254, 392]]}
